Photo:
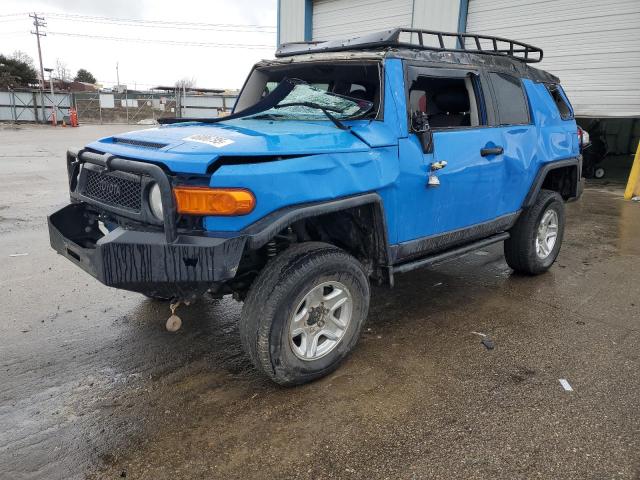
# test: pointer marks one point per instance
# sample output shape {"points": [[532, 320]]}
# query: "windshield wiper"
{"points": [[317, 106]]}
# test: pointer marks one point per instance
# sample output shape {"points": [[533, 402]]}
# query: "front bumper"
{"points": [[143, 261]]}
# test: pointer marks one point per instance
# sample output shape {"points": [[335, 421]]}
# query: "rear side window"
{"points": [[510, 99], [560, 99]]}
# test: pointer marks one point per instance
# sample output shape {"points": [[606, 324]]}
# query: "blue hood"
{"points": [[192, 147]]}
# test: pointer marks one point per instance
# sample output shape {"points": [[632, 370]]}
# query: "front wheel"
{"points": [[304, 313], [537, 235]]}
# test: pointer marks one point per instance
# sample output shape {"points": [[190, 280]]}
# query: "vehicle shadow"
{"points": [[209, 334]]}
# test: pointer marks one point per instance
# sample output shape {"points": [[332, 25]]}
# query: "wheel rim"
{"points": [[320, 320], [547, 234]]}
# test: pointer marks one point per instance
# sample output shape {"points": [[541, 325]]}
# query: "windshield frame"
{"points": [[266, 66]]}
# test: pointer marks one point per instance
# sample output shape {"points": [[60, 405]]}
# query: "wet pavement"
{"points": [[92, 386]]}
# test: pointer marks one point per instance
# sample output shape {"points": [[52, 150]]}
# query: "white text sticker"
{"points": [[210, 140]]}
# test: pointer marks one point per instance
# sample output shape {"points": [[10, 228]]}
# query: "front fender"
{"points": [[307, 179]]}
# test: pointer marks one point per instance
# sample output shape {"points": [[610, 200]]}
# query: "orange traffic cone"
{"points": [[73, 115]]}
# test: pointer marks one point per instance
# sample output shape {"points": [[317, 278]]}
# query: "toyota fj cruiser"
{"points": [[342, 163]]}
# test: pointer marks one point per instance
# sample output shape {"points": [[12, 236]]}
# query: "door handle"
{"points": [[485, 152]]}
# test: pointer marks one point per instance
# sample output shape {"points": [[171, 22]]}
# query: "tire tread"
{"points": [[519, 250], [271, 284]]}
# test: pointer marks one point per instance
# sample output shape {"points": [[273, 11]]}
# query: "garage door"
{"points": [[338, 19], [592, 45]]}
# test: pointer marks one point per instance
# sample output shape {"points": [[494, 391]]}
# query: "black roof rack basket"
{"points": [[421, 40]]}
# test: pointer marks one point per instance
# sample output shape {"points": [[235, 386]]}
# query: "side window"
{"points": [[268, 88], [510, 99], [560, 99], [448, 102]]}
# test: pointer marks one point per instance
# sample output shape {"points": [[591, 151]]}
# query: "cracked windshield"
{"points": [[306, 102]]}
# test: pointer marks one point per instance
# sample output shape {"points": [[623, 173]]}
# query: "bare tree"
{"points": [[21, 56], [62, 71], [186, 83]]}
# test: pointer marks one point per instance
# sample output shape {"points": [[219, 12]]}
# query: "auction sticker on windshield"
{"points": [[210, 140]]}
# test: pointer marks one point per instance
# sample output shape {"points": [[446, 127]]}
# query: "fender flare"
{"points": [[263, 230], [542, 174]]}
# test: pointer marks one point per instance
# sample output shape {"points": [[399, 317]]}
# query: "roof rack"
{"points": [[421, 40]]}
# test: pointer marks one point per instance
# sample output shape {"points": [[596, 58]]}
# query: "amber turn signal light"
{"points": [[214, 201]]}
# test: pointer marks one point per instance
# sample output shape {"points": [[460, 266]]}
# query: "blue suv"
{"points": [[343, 163]]}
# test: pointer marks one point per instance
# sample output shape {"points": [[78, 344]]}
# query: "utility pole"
{"points": [[118, 77], [39, 22]]}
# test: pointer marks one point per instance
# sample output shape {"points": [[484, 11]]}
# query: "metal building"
{"points": [[591, 45]]}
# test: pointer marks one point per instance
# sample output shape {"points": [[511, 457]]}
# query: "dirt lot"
{"points": [[91, 385]]}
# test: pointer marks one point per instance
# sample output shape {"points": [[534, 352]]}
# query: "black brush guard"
{"points": [[148, 261]]}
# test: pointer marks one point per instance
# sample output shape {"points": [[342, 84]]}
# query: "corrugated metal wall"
{"points": [[32, 106], [440, 15], [436, 15], [337, 19], [592, 45], [97, 107], [291, 21]]}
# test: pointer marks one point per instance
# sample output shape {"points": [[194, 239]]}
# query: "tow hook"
{"points": [[174, 322]]}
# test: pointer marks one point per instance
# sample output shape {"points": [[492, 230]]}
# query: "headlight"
{"points": [[155, 201], [214, 201]]}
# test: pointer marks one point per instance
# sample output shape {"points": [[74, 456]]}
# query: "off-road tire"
{"points": [[520, 248], [277, 291]]}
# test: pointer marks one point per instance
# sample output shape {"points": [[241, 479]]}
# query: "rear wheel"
{"points": [[304, 312], [537, 235]]}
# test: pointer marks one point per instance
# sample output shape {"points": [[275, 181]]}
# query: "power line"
{"points": [[220, 29], [161, 23], [12, 33], [7, 20], [14, 14], [166, 42]]}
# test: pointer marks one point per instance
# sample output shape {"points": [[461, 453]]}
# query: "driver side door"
{"points": [[463, 200]]}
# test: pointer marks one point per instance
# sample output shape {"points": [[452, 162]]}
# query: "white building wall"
{"points": [[291, 21], [436, 15], [592, 45], [442, 15], [337, 19]]}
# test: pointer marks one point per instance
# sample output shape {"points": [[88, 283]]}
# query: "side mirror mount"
{"points": [[426, 139], [420, 125]]}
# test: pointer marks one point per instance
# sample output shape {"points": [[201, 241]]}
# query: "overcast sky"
{"points": [[150, 63]]}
